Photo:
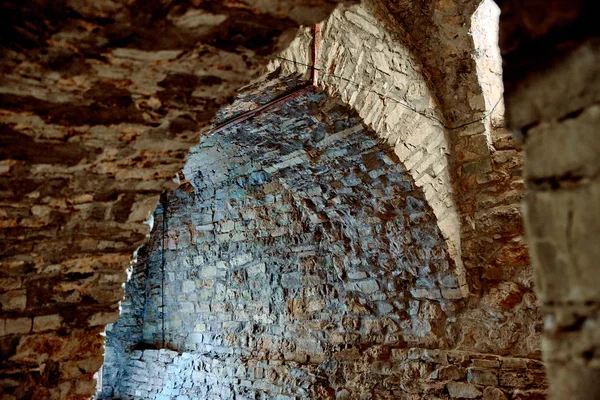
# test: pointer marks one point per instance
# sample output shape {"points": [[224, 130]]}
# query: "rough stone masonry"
{"points": [[99, 103], [551, 74], [301, 261]]}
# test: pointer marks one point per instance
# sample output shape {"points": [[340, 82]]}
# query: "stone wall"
{"points": [[378, 77], [304, 241], [406, 373], [471, 176], [127, 332], [496, 257], [302, 261], [100, 102], [551, 71]]}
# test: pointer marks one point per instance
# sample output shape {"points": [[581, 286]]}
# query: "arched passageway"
{"points": [[301, 261], [101, 102], [455, 148]]}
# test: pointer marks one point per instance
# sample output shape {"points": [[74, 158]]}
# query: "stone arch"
{"points": [[428, 81], [97, 121], [479, 162], [306, 198], [379, 77]]}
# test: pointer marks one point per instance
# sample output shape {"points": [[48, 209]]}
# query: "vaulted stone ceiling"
{"points": [[438, 34], [470, 176], [100, 102], [361, 300]]}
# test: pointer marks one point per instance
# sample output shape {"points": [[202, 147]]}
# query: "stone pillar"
{"points": [[551, 53]]}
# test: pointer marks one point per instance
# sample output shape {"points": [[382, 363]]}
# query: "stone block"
{"points": [[573, 139], [188, 286], [292, 279], [535, 365], [463, 390], [452, 293], [256, 269], [208, 272], [512, 379], [482, 166], [367, 286], [103, 318], [514, 363], [562, 248], [384, 308], [449, 281], [435, 356], [17, 325], [10, 283], [481, 376], [46, 323], [485, 363], [490, 393], [449, 373], [426, 293], [14, 300], [241, 259], [356, 274], [226, 226]]}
